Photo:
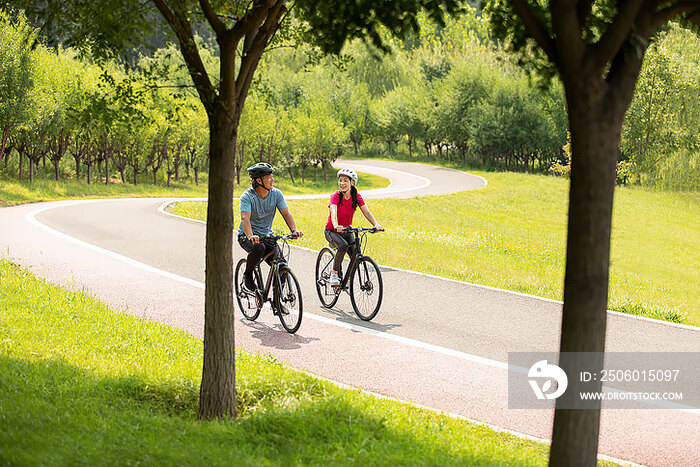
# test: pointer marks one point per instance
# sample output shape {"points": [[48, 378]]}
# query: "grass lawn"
{"points": [[14, 192], [512, 235], [81, 384]]}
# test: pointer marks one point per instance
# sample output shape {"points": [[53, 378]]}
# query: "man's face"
{"points": [[268, 181]]}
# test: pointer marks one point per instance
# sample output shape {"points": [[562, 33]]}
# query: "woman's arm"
{"points": [[334, 218], [370, 217]]}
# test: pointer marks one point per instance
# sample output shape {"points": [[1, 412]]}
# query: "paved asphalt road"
{"points": [[435, 342]]}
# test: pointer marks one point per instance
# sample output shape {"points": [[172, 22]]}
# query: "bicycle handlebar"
{"points": [[362, 229], [281, 237]]}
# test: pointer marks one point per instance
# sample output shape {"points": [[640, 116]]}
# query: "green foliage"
{"points": [[444, 93], [16, 77], [660, 135], [107, 28], [335, 22]]}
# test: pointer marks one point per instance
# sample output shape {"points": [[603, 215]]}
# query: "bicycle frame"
{"points": [[277, 260], [360, 233]]}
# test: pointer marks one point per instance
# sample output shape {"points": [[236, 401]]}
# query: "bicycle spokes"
{"points": [[366, 289], [324, 265], [289, 301]]}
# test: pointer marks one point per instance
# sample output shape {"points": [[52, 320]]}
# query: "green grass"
{"points": [[44, 188], [81, 384], [512, 235]]}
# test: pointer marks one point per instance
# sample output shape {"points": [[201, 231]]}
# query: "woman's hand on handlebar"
{"points": [[378, 228]]}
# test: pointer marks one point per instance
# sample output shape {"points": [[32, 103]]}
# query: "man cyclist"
{"points": [[258, 207]]}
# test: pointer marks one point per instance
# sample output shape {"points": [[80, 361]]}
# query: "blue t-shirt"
{"points": [[262, 210]]}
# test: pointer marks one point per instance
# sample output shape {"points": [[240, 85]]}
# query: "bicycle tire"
{"points": [[288, 301], [327, 294], [366, 289], [250, 305]]}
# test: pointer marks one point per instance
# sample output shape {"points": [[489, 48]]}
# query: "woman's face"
{"points": [[344, 183]]}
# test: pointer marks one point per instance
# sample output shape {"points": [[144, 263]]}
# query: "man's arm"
{"points": [[247, 228], [289, 219]]}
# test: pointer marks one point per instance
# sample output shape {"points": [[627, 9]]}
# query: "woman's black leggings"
{"points": [[344, 242]]}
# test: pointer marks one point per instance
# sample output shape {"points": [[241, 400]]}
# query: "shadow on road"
{"points": [[351, 318], [275, 336]]}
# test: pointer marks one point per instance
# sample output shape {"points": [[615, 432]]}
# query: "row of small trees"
{"points": [[54, 104], [113, 122], [446, 94]]}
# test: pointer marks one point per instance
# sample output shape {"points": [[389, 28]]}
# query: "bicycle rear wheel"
{"points": [[289, 303], [366, 289], [249, 303], [324, 265]]}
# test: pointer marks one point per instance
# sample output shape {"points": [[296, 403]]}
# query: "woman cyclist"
{"points": [[342, 206]]}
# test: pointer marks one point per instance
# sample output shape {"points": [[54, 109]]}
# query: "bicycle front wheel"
{"points": [[324, 265], [249, 303], [289, 303], [366, 289]]}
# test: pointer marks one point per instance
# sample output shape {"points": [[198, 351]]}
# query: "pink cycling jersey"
{"points": [[345, 210]]}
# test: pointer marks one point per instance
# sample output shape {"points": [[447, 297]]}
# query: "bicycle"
{"points": [[363, 281], [286, 301]]}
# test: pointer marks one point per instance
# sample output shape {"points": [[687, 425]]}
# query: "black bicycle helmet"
{"points": [[260, 170]]}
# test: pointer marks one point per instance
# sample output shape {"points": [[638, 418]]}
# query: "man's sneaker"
{"points": [[249, 282], [334, 280]]}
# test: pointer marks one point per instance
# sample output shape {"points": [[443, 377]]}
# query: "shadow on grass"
{"points": [[54, 413]]}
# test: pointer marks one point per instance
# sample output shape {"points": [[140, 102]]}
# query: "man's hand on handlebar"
{"points": [[254, 239], [297, 233]]}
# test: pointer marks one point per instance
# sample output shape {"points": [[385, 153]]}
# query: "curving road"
{"points": [[437, 343]]}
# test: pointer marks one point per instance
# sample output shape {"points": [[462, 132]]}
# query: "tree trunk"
{"points": [[20, 164], [77, 166], [56, 171], [5, 135], [217, 396], [595, 122], [291, 175], [107, 156]]}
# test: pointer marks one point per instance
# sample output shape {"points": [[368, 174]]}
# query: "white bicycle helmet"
{"points": [[350, 173]]}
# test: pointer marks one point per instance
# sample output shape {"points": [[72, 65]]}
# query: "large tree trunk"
{"points": [[217, 395], [595, 121]]}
